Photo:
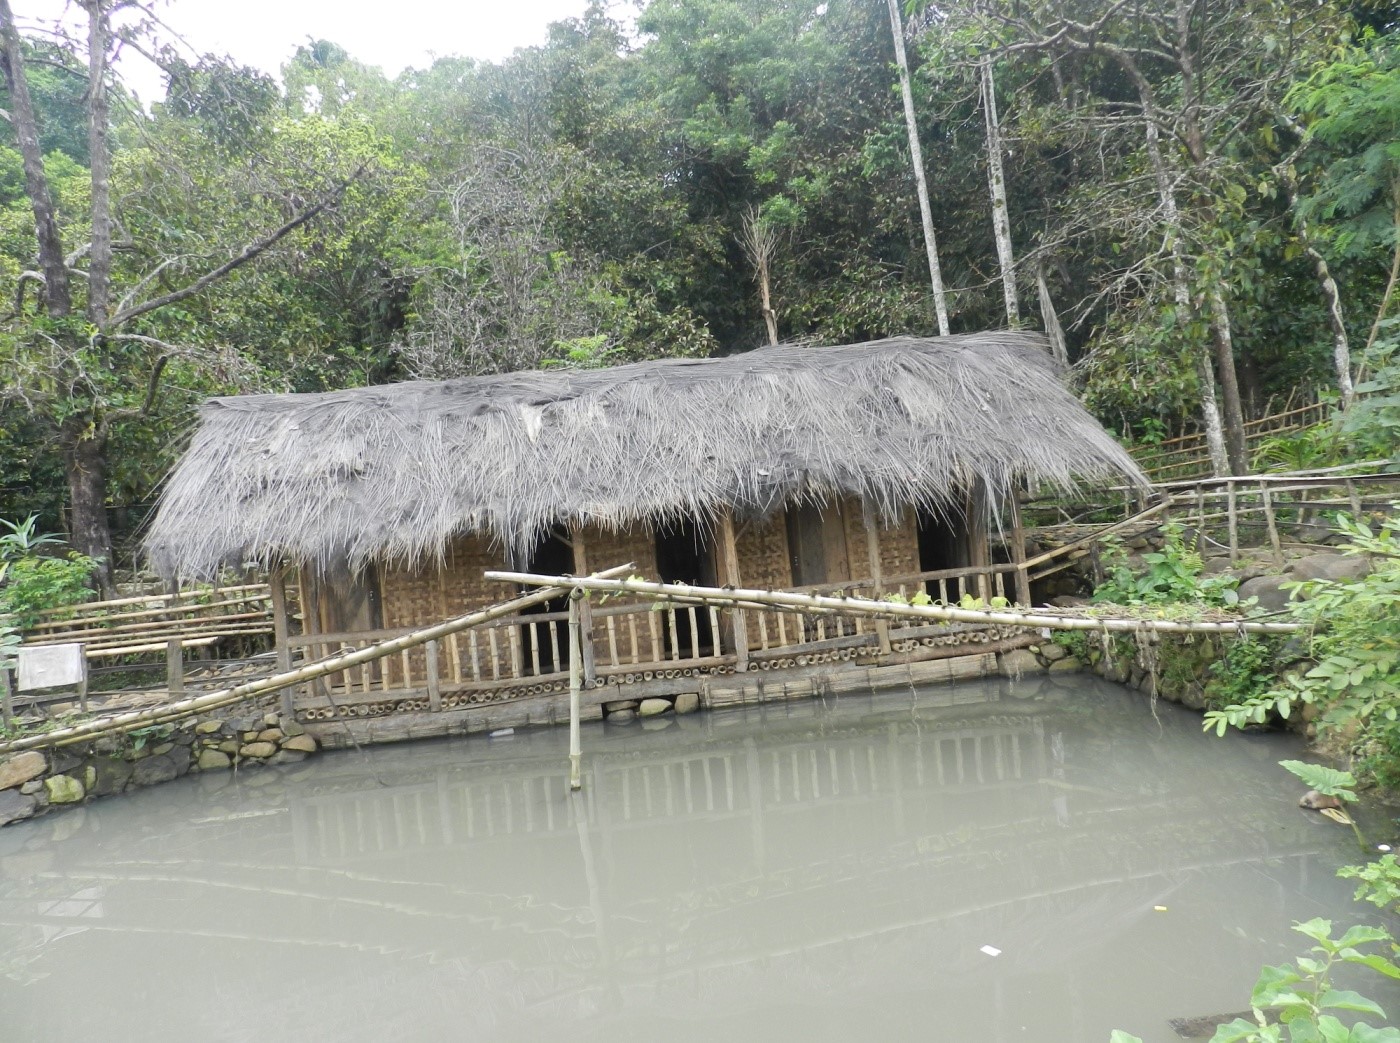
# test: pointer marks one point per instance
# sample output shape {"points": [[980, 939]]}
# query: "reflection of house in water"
{"points": [[729, 858]]}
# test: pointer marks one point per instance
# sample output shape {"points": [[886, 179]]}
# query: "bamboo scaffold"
{"points": [[167, 712], [735, 597]]}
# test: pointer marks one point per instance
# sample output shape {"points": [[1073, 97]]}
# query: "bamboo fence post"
{"points": [[1232, 520], [7, 699], [575, 679], [1201, 511], [430, 651], [1355, 499], [729, 555], [277, 587], [1267, 500]]}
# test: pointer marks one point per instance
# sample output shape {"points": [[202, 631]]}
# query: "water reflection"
{"points": [[793, 871]]}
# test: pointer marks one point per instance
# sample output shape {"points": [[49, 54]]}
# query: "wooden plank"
{"points": [[585, 610]]}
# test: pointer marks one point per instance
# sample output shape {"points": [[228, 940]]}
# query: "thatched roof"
{"points": [[394, 472]]}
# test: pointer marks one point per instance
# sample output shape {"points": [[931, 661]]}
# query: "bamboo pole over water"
{"points": [[813, 603], [125, 722]]}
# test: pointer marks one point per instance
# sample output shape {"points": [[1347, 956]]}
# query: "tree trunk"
{"points": [[916, 156], [1048, 316], [996, 181], [85, 466], [1233, 410]]}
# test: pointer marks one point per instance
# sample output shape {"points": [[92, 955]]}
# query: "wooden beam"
{"points": [[877, 579], [1018, 552], [729, 560]]}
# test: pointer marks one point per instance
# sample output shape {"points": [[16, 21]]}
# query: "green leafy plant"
{"points": [[1330, 782], [1356, 642], [1246, 670], [21, 541], [1379, 881], [1174, 573], [1293, 1002]]}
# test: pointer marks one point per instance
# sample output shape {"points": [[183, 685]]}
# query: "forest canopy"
{"points": [[1199, 200]]}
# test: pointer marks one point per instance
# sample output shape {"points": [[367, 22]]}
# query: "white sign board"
{"points": [[51, 666]]}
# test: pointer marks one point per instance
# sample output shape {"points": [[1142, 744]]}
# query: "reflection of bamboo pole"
{"points": [[813, 603], [188, 707], [575, 679]]}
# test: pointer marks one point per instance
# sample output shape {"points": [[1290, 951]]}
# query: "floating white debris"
{"points": [[1382, 847], [501, 733], [1159, 908], [991, 950]]}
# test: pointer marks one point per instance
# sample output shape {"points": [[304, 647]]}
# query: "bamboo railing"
{"points": [[1187, 456]]}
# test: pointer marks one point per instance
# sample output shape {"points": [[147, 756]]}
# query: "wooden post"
{"points": [[575, 680], [979, 551], [174, 666], [585, 610], [1355, 499], [277, 586], [430, 650], [729, 558], [1201, 515], [7, 699], [1233, 520], [877, 579], [1267, 500], [1018, 551]]}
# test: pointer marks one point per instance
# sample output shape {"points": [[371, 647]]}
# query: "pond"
{"points": [[973, 862]]}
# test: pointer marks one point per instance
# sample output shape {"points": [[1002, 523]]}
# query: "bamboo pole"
{"points": [[1093, 537], [575, 683], [813, 603], [225, 697]]}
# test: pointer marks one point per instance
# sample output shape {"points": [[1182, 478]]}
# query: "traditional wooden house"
{"points": [[872, 469]]}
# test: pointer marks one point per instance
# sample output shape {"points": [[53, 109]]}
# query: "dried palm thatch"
{"points": [[394, 472]]}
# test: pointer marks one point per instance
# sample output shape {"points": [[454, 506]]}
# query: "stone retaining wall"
{"points": [[35, 782]]}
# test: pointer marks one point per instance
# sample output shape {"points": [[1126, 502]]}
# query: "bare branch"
{"points": [[248, 253]]}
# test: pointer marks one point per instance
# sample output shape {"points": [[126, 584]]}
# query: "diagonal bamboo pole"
{"points": [[865, 606], [125, 722]]}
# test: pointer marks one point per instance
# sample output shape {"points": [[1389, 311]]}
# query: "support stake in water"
{"points": [[575, 680]]}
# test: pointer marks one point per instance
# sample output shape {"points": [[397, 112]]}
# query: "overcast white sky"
{"points": [[393, 34]]}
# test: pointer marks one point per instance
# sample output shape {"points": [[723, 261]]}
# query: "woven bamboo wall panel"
{"points": [[763, 553]]}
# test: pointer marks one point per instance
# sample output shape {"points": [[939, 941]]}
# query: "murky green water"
{"points": [[792, 872]]}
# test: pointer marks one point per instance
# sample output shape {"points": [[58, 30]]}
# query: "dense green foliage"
{"points": [[33, 577], [581, 203]]}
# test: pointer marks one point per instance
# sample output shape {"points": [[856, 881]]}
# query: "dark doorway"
{"points": [[552, 556], [683, 555], [943, 540]]}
